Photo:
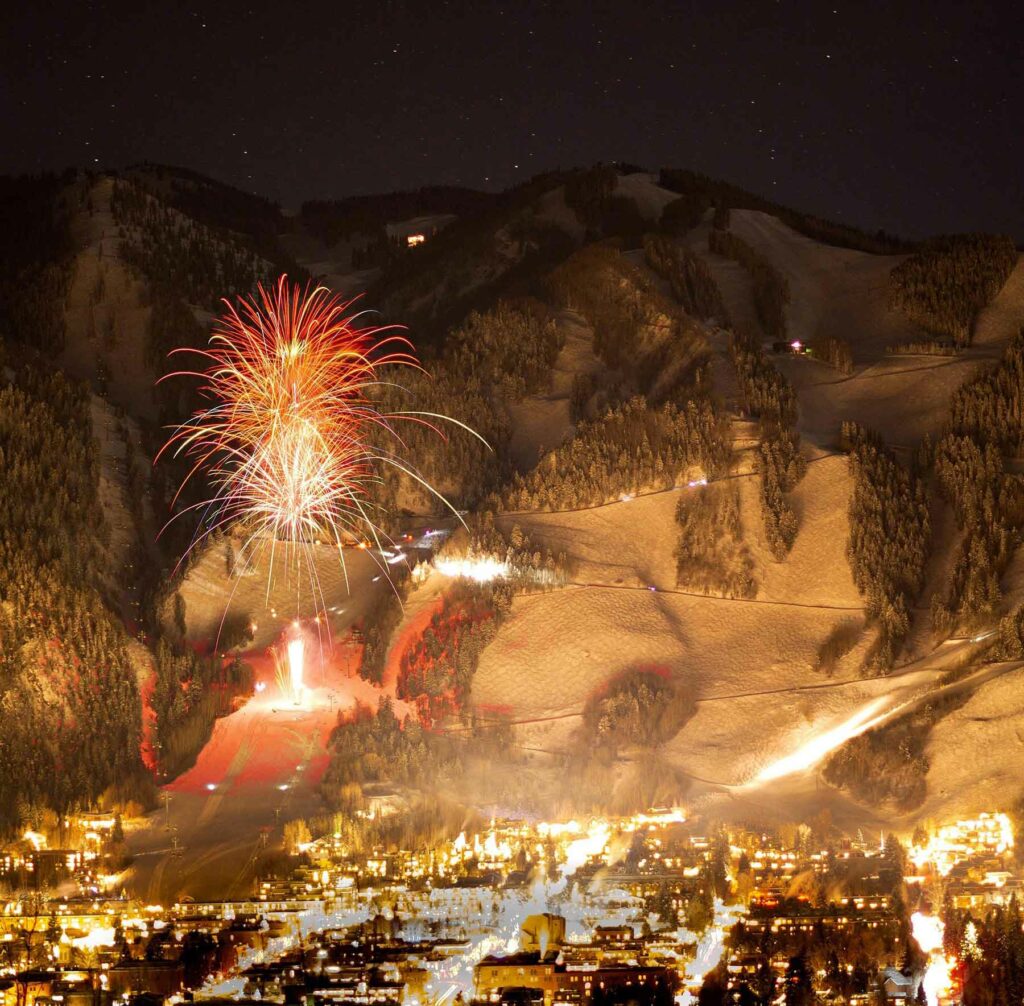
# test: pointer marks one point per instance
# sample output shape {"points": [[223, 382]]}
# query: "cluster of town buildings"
{"points": [[565, 914], [79, 857], [974, 858]]}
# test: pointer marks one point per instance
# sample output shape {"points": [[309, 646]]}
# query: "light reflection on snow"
{"points": [[823, 743], [928, 931], [482, 570], [710, 948]]}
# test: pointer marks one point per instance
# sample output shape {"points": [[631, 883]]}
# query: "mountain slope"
{"points": [[554, 329]]}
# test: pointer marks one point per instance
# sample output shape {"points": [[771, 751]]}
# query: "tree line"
{"points": [[190, 692], [923, 347], [68, 693], [766, 392], [688, 277], [632, 448], [988, 943], [769, 396], [680, 216], [499, 250], [590, 194], [369, 747], [504, 353], [222, 208], [642, 708], [436, 671], [379, 623], [510, 348], [710, 554], [636, 328], [170, 249], [890, 532], [56, 586], [949, 279], [531, 564], [986, 425], [781, 466], [702, 192], [184, 261], [1010, 641], [889, 764], [834, 351]]}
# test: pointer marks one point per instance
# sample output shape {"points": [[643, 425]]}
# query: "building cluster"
{"points": [[106, 952], [973, 861], [379, 961], [520, 914], [613, 962], [619, 891], [80, 858], [826, 916], [597, 905]]}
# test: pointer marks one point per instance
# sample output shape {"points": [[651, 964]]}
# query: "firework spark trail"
{"points": [[291, 442]]}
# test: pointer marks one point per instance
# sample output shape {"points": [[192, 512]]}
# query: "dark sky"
{"points": [[896, 115]]}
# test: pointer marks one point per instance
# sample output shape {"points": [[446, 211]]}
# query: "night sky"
{"points": [[895, 115]]}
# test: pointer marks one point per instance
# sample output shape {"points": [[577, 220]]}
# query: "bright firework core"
{"points": [[296, 660]]}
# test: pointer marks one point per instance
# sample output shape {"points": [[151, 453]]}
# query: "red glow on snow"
{"points": [[263, 743]]}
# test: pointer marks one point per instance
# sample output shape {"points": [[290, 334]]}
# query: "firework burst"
{"points": [[293, 439]]}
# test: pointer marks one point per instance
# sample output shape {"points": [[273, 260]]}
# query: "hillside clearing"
{"points": [[543, 422]]}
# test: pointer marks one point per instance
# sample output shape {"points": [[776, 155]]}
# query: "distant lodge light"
{"points": [[794, 348], [418, 230]]}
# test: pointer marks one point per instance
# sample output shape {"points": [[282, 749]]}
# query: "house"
{"points": [[899, 988], [128, 977], [32, 985], [527, 970], [74, 987]]}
